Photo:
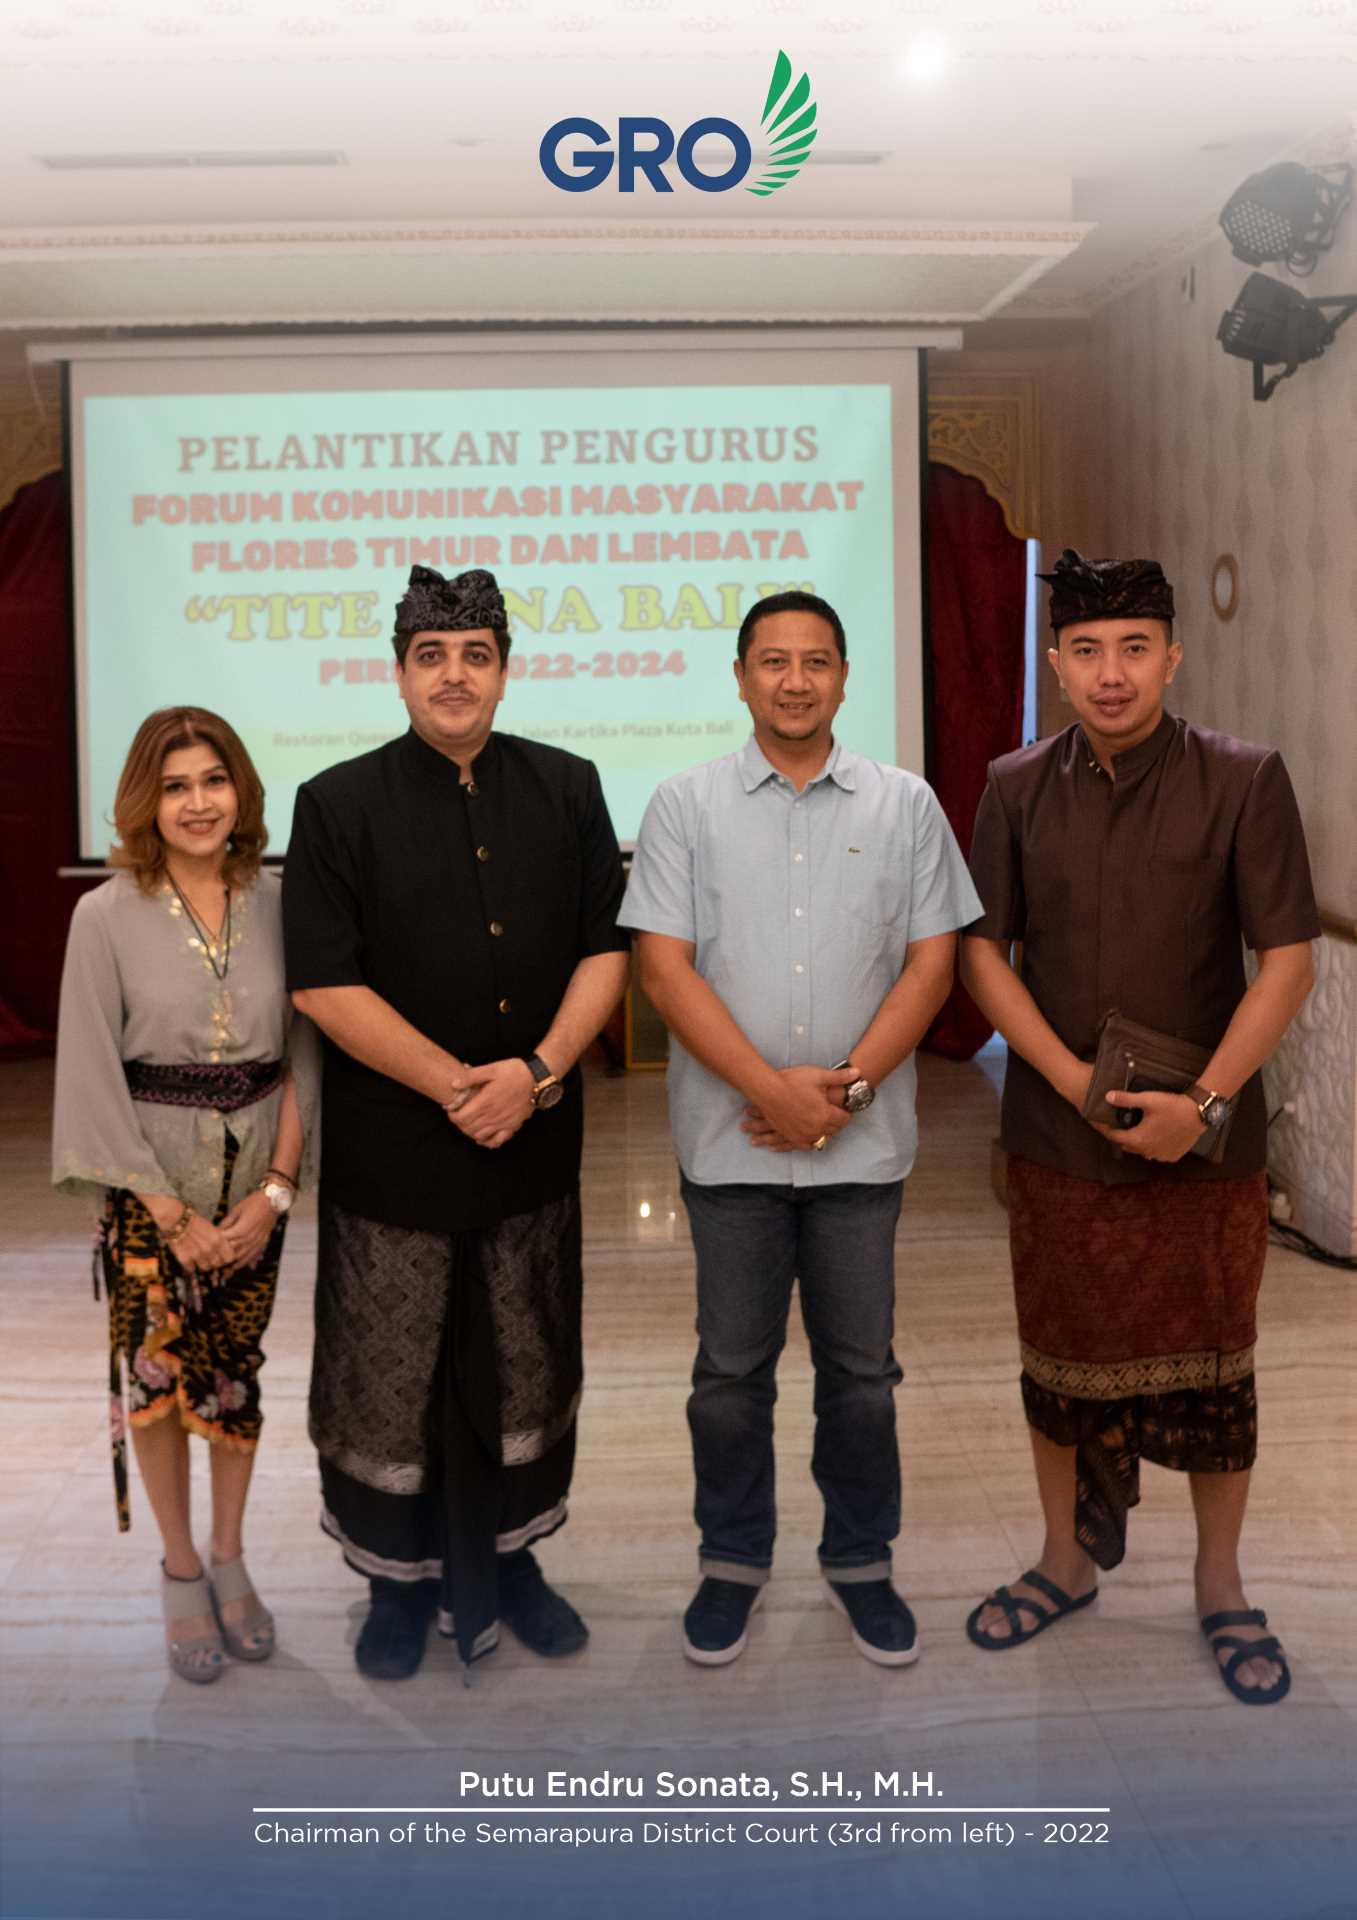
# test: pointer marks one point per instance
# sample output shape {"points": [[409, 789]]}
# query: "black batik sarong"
{"points": [[1197, 1430], [444, 1388]]}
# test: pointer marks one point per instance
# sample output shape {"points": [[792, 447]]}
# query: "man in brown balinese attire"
{"points": [[450, 906], [1127, 855]]}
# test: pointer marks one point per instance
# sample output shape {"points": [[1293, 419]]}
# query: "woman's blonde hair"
{"points": [[139, 848]]}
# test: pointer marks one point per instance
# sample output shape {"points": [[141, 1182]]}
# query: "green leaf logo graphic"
{"points": [[788, 119]]}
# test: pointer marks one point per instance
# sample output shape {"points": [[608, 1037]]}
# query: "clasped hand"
{"points": [[1169, 1129], [500, 1101], [806, 1103], [248, 1228], [201, 1247]]}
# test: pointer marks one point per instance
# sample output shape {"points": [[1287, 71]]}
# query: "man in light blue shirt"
{"points": [[797, 909]]}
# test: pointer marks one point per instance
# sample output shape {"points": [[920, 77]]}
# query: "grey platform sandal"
{"points": [[251, 1638], [199, 1659]]}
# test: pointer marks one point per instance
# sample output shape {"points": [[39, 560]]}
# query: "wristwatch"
{"points": [[859, 1094], [546, 1088], [279, 1197], [1214, 1109]]}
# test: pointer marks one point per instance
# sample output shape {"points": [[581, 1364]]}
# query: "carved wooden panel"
{"points": [[985, 424]]}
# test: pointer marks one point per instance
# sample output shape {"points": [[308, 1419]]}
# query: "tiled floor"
{"points": [[128, 1793]]}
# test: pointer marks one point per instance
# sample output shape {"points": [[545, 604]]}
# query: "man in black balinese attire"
{"points": [[450, 909]]}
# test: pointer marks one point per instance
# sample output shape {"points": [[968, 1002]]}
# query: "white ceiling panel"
{"points": [[522, 274], [1111, 132]]}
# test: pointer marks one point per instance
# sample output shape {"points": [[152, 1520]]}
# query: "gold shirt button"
{"points": [[482, 853], [472, 788], [496, 928], [504, 1006]]}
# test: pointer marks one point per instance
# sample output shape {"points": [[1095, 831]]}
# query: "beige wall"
{"points": [[1184, 464], [1151, 443]]}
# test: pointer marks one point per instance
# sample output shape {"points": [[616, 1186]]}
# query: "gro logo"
{"points": [[645, 144]]}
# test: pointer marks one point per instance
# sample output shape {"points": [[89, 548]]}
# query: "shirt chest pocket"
{"points": [[873, 887], [1202, 903], [1187, 887], [1184, 911]]}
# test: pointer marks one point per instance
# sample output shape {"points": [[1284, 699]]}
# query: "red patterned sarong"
{"points": [[1137, 1318]]}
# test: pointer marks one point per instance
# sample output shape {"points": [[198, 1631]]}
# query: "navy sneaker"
{"points": [[716, 1625], [883, 1626]]}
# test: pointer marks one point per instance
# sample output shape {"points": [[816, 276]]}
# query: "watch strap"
{"points": [[1202, 1097], [546, 1087]]}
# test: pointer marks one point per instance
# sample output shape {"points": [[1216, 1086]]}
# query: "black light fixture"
{"points": [[1287, 213], [1271, 323]]}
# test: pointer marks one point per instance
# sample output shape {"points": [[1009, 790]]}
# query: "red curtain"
{"points": [[37, 790], [977, 589]]}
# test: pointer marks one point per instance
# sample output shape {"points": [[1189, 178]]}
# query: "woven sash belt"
{"points": [[224, 1088]]}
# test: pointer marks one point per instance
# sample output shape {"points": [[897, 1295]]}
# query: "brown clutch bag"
{"points": [[1136, 1059]]}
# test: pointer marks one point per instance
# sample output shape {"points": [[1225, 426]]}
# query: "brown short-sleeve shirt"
{"points": [[1136, 893]]}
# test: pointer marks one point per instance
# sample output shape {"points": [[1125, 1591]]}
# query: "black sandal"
{"points": [[1269, 1648], [1011, 1602]]}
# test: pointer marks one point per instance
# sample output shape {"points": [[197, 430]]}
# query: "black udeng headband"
{"points": [[1107, 590], [431, 604]]}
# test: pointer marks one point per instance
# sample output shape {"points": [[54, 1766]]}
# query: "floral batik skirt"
{"points": [[188, 1342]]}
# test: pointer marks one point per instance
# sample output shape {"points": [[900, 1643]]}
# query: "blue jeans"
{"points": [[751, 1243]]}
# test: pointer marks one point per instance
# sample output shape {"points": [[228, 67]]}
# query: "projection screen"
{"points": [[246, 512]]}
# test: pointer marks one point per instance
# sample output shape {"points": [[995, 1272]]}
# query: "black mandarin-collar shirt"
{"points": [[467, 907], [1133, 892]]}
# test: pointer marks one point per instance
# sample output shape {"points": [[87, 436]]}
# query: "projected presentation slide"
{"points": [[244, 550]]}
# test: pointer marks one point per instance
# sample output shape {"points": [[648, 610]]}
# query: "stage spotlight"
{"points": [[1286, 213], [1270, 323]]}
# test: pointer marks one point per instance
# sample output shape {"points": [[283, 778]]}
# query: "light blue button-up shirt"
{"points": [[800, 907]]}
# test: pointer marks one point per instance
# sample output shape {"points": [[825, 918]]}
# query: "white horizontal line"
{"points": [[738, 1806]]}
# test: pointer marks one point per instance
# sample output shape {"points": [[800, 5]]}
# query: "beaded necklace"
{"points": [[209, 946]]}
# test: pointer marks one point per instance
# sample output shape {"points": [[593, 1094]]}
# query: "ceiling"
{"points": [[1067, 148]]}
